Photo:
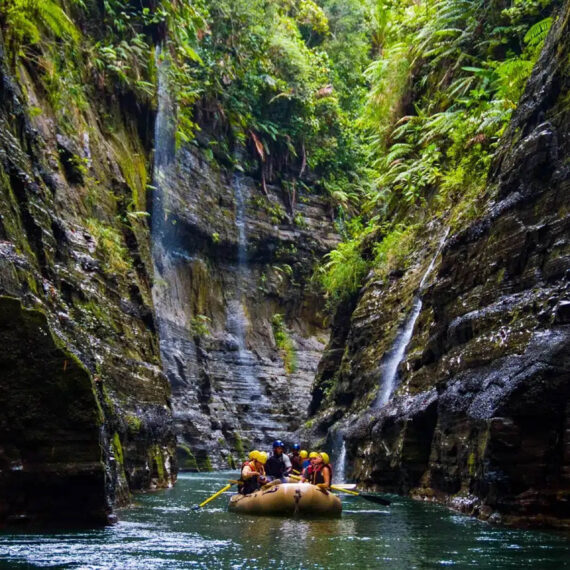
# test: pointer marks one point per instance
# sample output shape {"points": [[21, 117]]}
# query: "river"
{"points": [[160, 531]]}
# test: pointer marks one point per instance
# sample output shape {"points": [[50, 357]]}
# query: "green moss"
{"points": [[186, 459], [118, 449], [500, 275], [309, 423], [471, 463], [239, 447], [204, 464], [134, 424], [110, 247], [200, 326], [96, 314], [284, 343], [159, 463], [133, 165], [300, 221]]}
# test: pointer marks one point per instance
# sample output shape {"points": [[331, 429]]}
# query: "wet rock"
{"points": [[84, 406], [490, 353], [230, 261]]}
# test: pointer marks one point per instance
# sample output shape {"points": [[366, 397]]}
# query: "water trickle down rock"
{"points": [[393, 359], [338, 455]]}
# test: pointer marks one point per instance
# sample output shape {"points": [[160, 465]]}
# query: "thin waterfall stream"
{"points": [[389, 369], [245, 371], [340, 464]]}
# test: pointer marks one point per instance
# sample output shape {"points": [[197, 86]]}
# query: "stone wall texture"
{"points": [[85, 413], [481, 416]]}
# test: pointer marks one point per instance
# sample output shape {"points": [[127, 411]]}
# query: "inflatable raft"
{"points": [[302, 499]]}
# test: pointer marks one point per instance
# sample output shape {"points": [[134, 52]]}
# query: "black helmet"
{"points": [[295, 447], [278, 443]]}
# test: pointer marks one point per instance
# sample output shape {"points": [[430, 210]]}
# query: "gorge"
{"points": [[179, 185]]}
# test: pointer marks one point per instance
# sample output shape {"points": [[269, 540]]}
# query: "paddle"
{"points": [[216, 494], [367, 496]]}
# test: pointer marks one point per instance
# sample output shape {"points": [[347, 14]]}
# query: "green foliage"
{"points": [[462, 103], [284, 343], [391, 253], [239, 447], [343, 271], [447, 77], [134, 424], [200, 326], [26, 22], [110, 247], [258, 74]]}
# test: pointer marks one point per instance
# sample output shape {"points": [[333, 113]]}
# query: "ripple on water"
{"points": [[161, 532]]}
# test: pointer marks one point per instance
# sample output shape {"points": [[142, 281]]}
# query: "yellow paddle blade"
{"points": [[344, 490]]}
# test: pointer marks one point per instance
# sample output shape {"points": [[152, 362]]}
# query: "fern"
{"points": [[26, 22], [537, 33]]}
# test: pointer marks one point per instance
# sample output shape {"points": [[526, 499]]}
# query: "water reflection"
{"points": [[162, 532]]}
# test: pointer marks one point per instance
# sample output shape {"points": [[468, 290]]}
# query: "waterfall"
{"points": [[164, 145], [340, 464], [389, 369], [178, 351], [236, 318], [245, 370], [338, 453]]}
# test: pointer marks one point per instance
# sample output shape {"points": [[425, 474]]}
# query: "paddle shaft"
{"points": [[222, 490]]}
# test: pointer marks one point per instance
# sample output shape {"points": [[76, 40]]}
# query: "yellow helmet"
{"points": [[253, 453], [325, 457], [303, 454], [262, 457], [313, 454]]}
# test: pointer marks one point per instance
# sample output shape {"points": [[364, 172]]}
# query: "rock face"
{"points": [[241, 330], [481, 419], [84, 406]]}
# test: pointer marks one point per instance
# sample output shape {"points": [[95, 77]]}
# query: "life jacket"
{"points": [[251, 484], [275, 466], [316, 474]]}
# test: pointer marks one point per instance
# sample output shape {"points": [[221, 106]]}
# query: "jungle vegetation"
{"points": [[390, 109]]}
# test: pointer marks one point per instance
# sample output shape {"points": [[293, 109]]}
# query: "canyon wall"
{"points": [[85, 412], [480, 419], [241, 327]]}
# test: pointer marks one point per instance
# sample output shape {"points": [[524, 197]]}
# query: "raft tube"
{"points": [[302, 499]]}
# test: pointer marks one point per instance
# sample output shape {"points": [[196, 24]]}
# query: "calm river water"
{"points": [[161, 532]]}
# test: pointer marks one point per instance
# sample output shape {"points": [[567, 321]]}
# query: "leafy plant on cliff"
{"points": [[110, 247], [284, 343], [446, 80], [261, 75], [342, 273], [25, 22]]}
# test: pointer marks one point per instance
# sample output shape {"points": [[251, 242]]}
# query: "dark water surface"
{"points": [[161, 532]]}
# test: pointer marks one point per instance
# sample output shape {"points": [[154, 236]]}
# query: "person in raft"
{"points": [[320, 471], [278, 465], [305, 457], [296, 459], [253, 473], [306, 474]]}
